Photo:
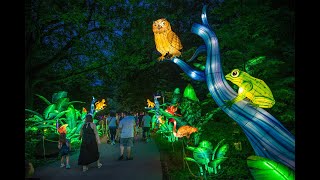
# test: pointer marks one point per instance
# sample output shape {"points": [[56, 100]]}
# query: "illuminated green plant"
{"points": [[166, 129], [75, 119], [264, 168], [208, 158], [60, 111]]}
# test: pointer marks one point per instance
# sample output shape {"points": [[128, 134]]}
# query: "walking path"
{"points": [[145, 165]]}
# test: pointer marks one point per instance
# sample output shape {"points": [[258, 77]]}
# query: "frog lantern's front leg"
{"points": [[242, 93]]}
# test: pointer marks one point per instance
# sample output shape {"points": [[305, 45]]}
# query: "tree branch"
{"points": [[62, 52], [54, 79]]}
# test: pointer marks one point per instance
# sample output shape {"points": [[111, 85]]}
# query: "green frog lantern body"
{"points": [[256, 90]]}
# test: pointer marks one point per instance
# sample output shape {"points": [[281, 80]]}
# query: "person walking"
{"points": [[89, 151], [146, 122], [127, 131], [112, 122]]}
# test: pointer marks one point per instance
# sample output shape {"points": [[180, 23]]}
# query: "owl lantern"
{"points": [[167, 42]]}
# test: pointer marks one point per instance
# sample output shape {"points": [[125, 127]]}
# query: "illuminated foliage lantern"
{"points": [[176, 96], [191, 108], [190, 93], [205, 155], [58, 112], [264, 168], [166, 130]]}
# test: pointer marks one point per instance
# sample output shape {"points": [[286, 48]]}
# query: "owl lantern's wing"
{"points": [[174, 40]]}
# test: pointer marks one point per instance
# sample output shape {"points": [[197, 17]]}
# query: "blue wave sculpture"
{"points": [[268, 137]]}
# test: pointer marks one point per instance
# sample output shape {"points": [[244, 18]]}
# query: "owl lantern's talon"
{"points": [[161, 58], [168, 56]]}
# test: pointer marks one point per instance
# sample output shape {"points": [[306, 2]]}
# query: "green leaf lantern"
{"points": [[199, 66], [49, 112], [216, 162], [62, 104], [59, 95], [202, 155], [206, 144], [190, 93], [176, 96], [44, 99], [264, 168], [222, 150], [71, 117]]}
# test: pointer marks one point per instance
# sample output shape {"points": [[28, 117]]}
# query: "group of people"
{"points": [[125, 124]]}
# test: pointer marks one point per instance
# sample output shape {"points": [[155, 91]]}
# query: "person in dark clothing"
{"points": [[140, 119], [89, 151], [112, 123]]}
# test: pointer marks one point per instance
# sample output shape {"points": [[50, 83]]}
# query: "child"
{"points": [[65, 147]]}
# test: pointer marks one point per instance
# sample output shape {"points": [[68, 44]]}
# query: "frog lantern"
{"points": [[254, 89]]}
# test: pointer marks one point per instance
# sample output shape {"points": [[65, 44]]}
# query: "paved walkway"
{"points": [[145, 165]]}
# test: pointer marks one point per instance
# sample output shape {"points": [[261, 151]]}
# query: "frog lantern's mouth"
{"points": [[228, 77], [236, 81]]}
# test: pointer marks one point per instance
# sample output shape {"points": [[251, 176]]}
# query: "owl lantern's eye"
{"points": [[235, 73], [162, 23]]}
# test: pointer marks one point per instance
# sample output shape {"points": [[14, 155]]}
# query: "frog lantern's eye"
{"points": [[235, 73]]}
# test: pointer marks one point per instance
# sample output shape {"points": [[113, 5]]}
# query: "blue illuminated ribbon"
{"points": [[268, 137], [92, 106]]}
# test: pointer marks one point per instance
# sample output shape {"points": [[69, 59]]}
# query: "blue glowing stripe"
{"points": [[192, 73]]}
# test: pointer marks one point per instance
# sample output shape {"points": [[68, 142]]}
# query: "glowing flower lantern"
{"points": [[172, 110], [161, 120], [63, 129]]}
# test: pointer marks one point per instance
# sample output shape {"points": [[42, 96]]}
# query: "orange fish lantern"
{"points": [[63, 129], [84, 110]]}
